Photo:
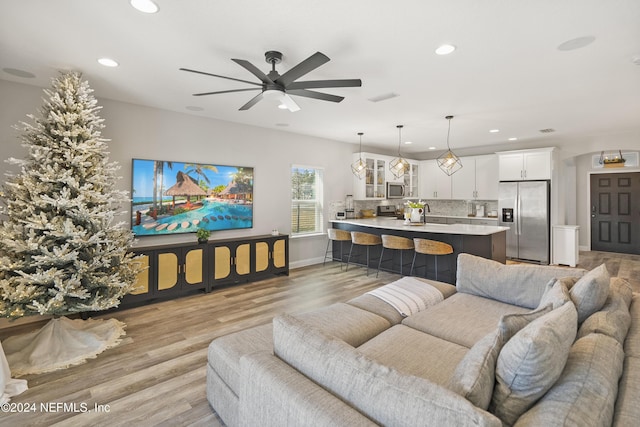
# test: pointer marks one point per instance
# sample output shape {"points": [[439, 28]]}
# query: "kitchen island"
{"points": [[481, 240]]}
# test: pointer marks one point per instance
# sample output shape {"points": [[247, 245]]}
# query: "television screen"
{"points": [[173, 197]]}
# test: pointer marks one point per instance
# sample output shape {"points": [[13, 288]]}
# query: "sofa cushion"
{"points": [[346, 322], [224, 352], [519, 284], [531, 362], [590, 292], [556, 294], [613, 319], [381, 393], [632, 342], [473, 378], [462, 318], [627, 410], [382, 309], [585, 393], [415, 353]]}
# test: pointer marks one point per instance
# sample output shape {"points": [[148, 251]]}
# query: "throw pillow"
{"points": [[590, 292], [474, 376], [532, 361], [613, 319], [556, 294]]}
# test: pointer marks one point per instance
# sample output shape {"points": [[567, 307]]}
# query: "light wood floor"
{"points": [[157, 375]]}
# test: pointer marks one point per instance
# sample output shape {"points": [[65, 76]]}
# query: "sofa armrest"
{"points": [[272, 393]]}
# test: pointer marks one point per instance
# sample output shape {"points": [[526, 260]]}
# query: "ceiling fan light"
{"points": [[273, 94]]}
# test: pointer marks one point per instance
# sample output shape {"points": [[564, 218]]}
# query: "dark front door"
{"points": [[615, 212]]}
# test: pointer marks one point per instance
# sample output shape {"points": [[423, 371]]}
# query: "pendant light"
{"points": [[359, 167], [448, 161], [398, 165]]}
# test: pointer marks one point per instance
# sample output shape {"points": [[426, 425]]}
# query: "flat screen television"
{"points": [[174, 197]]}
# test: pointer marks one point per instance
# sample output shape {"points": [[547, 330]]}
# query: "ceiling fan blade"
{"points": [[225, 91], [309, 64], [316, 84], [252, 102], [315, 95], [290, 103], [253, 70], [222, 77]]}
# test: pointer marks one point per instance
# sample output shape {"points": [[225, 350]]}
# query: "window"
{"points": [[306, 200]]}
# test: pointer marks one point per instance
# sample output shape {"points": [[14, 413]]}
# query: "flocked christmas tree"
{"points": [[60, 250]]}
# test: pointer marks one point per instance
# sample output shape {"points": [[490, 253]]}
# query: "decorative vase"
{"points": [[416, 214]]}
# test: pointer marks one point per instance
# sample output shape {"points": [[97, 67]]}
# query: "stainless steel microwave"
{"points": [[395, 190]]}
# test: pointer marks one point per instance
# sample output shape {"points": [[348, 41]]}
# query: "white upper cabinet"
{"points": [[478, 178], [411, 179], [433, 183], [487, 177], [525, 164]]}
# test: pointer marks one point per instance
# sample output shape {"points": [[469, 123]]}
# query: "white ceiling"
{"points": [[507, 72]]}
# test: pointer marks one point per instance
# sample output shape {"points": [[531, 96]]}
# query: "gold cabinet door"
{"points": [[243, 259], [193, 266], [222, 262], [141, 285], [279, 255], [262, 256], [167, 270]]}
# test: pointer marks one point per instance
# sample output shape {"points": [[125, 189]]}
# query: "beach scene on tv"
{"points": [[174, 197]]}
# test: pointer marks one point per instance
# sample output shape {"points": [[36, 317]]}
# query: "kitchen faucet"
{"points": [[424, 212]]}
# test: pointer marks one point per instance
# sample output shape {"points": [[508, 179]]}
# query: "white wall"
{"points": [[148, 133]]}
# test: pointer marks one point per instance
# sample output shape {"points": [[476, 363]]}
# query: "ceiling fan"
{"points": [[279, 87]]}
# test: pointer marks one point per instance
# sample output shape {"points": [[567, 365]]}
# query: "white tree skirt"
{"points": [[61, 343], [8, 386]]}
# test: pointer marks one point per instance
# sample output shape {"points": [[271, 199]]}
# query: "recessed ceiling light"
{"points": [[408, 142], [445, 49], [194, 108], [19, 73], [282, 107], [513, 139], [576, 43], [108, 62], [432, 148], [146, 6], [494, 130]]}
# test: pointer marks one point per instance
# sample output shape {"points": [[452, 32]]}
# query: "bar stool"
{"points": [[363, 239], [336, 235], [430, 247], [396, 243]]}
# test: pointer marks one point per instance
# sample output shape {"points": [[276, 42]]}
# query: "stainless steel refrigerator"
{"points": [[523, 206]]}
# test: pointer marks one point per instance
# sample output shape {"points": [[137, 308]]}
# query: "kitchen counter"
{"points": [[486, 241], [398, 224]]}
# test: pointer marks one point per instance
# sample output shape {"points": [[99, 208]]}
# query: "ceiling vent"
{"points": [[383, 97], [548, 130]]}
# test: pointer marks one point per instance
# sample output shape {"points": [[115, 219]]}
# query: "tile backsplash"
{"points": [[437, 206]]}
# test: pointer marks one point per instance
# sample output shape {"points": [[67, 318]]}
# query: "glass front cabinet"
{"points": [[374, 183]]}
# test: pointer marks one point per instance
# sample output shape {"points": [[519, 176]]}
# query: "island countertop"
{"points": [[397, 224]]}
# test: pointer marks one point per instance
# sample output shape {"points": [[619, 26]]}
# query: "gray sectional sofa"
{"points": [[515, 345]]}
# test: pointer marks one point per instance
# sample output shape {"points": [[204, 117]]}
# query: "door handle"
{"points": [[593, 215]]}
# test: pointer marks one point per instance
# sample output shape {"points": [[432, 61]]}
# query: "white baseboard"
{"points": [[584, 248], [305, 262]]}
